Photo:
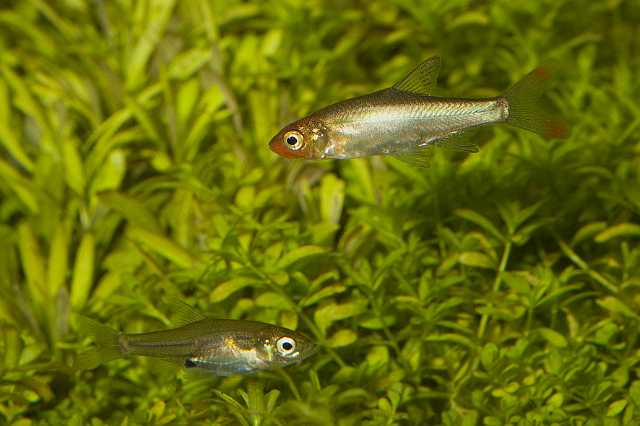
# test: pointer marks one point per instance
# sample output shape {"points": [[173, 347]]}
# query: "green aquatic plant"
{"points": [[498, 288]]}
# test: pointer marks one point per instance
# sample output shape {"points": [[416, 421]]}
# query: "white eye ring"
{"points": [[286, 345], [293, 140]]}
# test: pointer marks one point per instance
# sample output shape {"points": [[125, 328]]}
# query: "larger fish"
{"points": [[406, 121], [222, 346]]}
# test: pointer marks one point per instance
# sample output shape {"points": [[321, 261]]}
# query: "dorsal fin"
{"points": [[422, 79], [184, 314]]}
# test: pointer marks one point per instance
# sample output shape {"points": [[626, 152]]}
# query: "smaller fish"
{"points": [[406, 121], [222, 346]]}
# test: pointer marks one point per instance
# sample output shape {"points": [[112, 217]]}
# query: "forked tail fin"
{"points": [[106, 340], [527, 110]]}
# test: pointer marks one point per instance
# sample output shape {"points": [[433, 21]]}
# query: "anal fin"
{"points": [[423, 154], [420, 157]]}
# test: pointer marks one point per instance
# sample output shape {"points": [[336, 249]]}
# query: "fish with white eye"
{"points": [[294, 140], [286, 346], [222, 346]]}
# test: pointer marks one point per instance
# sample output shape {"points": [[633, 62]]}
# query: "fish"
{"points": [[222, 346], [406, 121]]}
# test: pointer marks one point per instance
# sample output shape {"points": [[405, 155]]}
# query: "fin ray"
{"points": [[420, 157], [457, 142], [422, 79], [184, 314], [526, 109], [106, 340]]}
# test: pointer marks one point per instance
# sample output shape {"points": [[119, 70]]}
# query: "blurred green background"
{"points": [[493, 289]]}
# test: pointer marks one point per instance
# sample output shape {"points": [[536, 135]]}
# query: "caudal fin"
{"points": [[527, 110], [106, 341]]}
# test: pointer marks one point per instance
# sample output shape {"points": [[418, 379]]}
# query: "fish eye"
{"points": [[286, 345], [294, 140]]}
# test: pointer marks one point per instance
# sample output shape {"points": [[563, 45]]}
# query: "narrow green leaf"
{"points": [[32, 262], [625, 230], [273, 300], [342, 338], [488, 356], [58, 264], [185, 64], [616, 407], [326, 315], [331, 198], [163, 246], [158, 16], [481, 221], [477, 260], [587, 231], [615, 305], [110, 175], [107, 285], [553, 337], [83, 271], [22, 187], [133, 210], [634, 393], [450, 337], [323, 293], [300, 253], [8, 138], [73, 167], [227, 288]]}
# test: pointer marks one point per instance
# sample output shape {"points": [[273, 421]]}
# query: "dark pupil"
{"points": [[292, 140], [287, 346]]}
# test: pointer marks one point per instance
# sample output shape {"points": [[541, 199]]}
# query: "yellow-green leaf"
{"points": [[553, 337], [163, 246], [83, 271], [342, 338], [326, 315], [226, 289], [625, 230], [301, 253], [273, 300], [477, 260]]}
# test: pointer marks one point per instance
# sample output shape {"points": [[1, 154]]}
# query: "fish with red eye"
{"points": [[406, 121]]}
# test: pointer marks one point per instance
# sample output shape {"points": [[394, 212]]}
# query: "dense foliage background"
{"points": [[500, 288]]}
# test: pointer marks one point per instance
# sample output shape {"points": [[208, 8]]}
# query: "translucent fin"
{"points": [[161, 365], [420, 158], [526, 109], [422, 79], [457, 142], [184, 314], [106, 340]]}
